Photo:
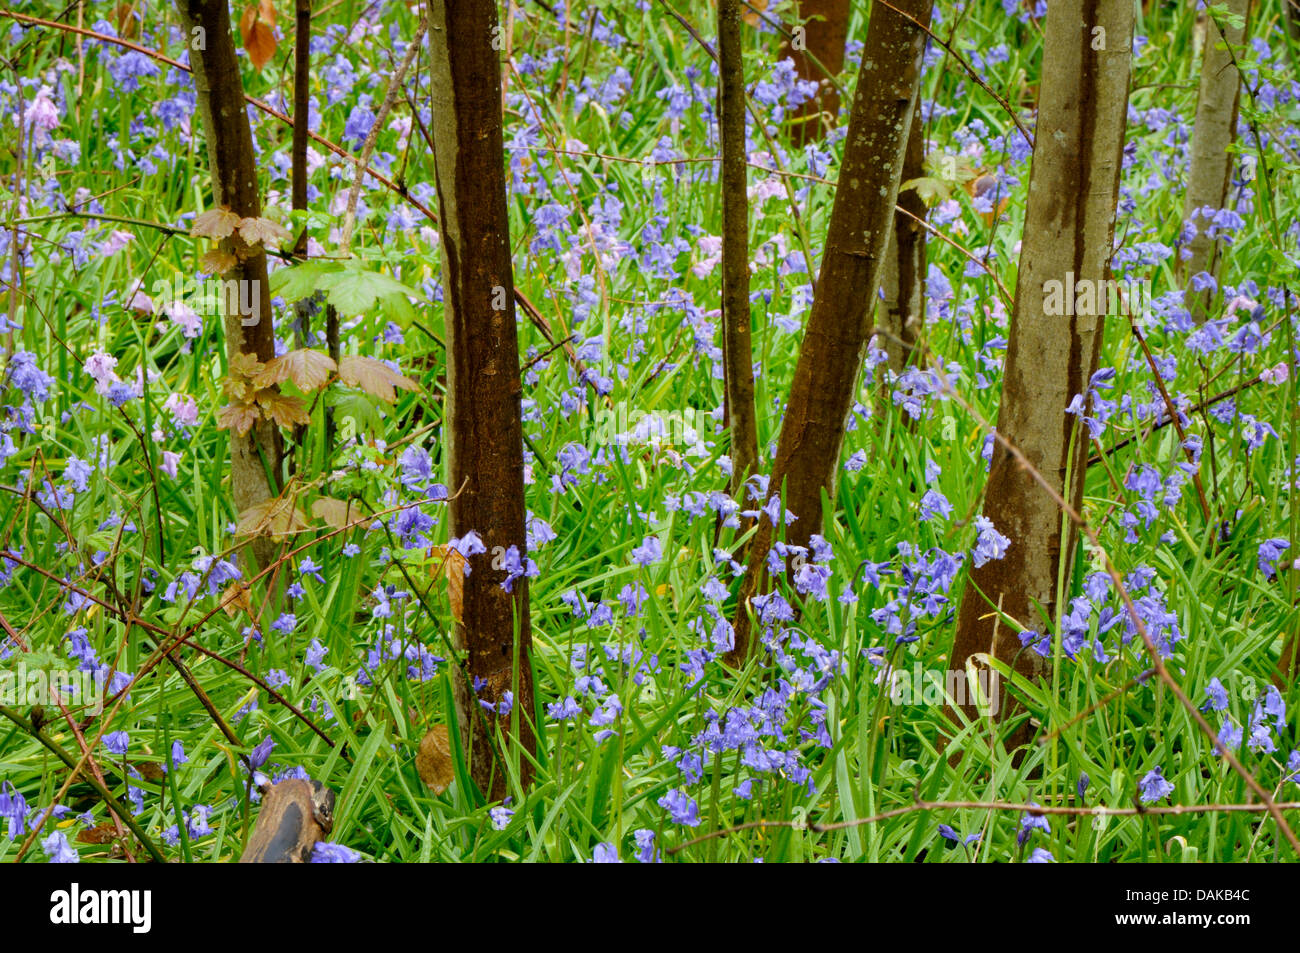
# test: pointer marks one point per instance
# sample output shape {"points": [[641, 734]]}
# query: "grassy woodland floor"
{"points": [[118, 526]]}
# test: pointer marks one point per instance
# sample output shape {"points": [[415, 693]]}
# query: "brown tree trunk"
{"points": [[233, 168], [737, 356], [902, 308], [1211, 164], [483, 431], [1069, 227], [826, 375], [301, 98], [820, 32], [301, 94]]}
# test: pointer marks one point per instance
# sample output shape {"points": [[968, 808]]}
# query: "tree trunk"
{"points": [[233, 168], [301, 97], [825, 29], [482, 430], [1069, 227], [737, 356], [826, 375], [1211, 165], [902, 308]]}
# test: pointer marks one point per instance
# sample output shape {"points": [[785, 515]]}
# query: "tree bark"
{"points": [[902, 307], [298, 185], [483, 430], [1069, 228], [738, 360], [825, 26], [826, 375], [1213, 133], [231, 162]]}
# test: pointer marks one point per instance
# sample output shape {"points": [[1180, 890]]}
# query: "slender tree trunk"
{"points": [[738, 361], [819, 37], [1214, 132], [301, 93], [483, 430], [826, 375], [231, 162], [902, 308], [301, 108], [1069, 227]]}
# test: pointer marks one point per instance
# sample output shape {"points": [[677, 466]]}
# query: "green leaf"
{"points": [[299, 281], [357, 291]]}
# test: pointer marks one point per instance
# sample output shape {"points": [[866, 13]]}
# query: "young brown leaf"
{"points": [[215, 223], [217, 261], [373, 377], [246, 365], [309, 369], [238, 417], [263, 231], [284, 409]]}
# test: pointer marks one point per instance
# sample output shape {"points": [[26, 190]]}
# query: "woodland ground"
{"points": [[112, 466]]}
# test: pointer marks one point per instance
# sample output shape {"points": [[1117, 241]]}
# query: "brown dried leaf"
{"points": [[215, 223], [236, 599], [308, 369], [99, 834], [434, 761], [285, 409], [338, 513], [263, 230], [128, 25], [255, 27], [373, 377], [273, 517], [751, 14], [238, 417], [453, 570], [150, 771]]}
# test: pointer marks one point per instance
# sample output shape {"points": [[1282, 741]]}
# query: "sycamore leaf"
{"points": [[263, 231], [238, 417], [284, 409], [298, 281], [245, 364], [356, 291], [256, 28], [373, 377], [309, 369], [217, 261], [273, 517], [338, 513], [931, 191], [433, 761], [216, 223], [237, 389]]}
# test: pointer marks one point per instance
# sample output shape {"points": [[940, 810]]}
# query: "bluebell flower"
{"points": [[1153, 787]]}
